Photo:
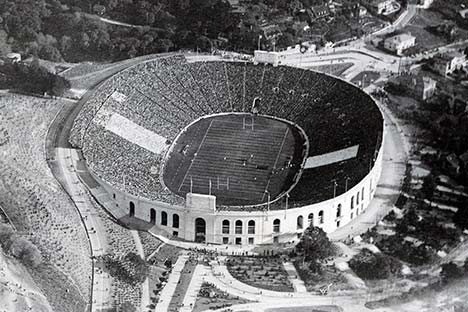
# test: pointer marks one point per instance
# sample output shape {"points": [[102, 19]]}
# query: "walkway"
{"points": [[294, 278], [168, 290], [145, 293], [194, 287], [396, 150], [66, 159]]}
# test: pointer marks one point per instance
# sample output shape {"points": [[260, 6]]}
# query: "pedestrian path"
{"points": [[294, 278], [168, 290], [194, 287]]}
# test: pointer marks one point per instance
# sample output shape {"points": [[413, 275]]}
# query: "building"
{"points": [[464, 13], [13, 57], [425, 4], [318, 12], [422, 87], [399, 43], [271, 31], [211, 190], [379, 6], [445, 64]]}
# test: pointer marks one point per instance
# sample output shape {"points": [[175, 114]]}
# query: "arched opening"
{"points": [[132, 209], [251, 227], [338, 211], [362, 194], [300, 223], [310, 218], [238, 227], [164, 218], [200, 230], [352, 202], [153, 216], [175, 220], [276, 225], [226, 226], [320, 216], [357, 199]]}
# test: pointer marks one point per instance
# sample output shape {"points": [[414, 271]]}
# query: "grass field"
{"points": [[243, 157]]}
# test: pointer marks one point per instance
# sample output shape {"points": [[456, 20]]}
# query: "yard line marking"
{"points": [[195, 156], [276, 161]]}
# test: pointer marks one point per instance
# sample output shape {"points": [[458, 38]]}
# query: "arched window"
{"points": [[251, 227], [163, 218], [175, 220], [153, 216], [311, 219], [338, 211], [320, 216], [226, 226], [357, 199], [238, 227], [132, 209], [300, 223], [352, 202], [276, 225]]}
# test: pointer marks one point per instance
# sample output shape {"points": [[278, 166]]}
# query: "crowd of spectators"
{"points": [[166, 94]]}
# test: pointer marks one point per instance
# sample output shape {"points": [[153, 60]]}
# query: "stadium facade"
{"points": [[256, 155]]}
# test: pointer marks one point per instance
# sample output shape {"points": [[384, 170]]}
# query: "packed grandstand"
{"points": [[132, 126]]}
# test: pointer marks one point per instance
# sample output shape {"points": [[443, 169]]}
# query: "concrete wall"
{"points": [[264, 232]]}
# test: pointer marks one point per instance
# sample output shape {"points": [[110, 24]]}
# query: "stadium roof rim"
{"points": [[305, 152]]}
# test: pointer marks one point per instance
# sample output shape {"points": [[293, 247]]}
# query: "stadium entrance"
{"points": [[200, 230]]}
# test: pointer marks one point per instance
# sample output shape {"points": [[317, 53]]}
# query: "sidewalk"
{"points": [[194, 287], [66, 159], [294, 278], [168, 290]]}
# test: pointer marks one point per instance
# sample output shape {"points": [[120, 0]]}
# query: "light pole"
{"points": [[346, 183]]}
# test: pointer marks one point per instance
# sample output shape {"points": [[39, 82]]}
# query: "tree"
{"points": [[450, 271], [465, 266], [315, 244], [6, 236], [127, 307], [26, 252], [428, 186], [460, 218], [4, 46], [368, 265]]}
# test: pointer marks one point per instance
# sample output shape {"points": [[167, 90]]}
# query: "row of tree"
{"points": [[32, 78]]}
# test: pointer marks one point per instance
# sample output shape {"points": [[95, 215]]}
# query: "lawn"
{"points": [[266, 273], [333, 69], [211, 298]]}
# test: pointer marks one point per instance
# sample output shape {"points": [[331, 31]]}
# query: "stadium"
{"points": [[231, 152]]}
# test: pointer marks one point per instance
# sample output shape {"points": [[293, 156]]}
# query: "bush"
{"points": [[368, 265]]}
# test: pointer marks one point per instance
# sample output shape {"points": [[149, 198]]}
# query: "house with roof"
{"points": [[445, 64], [379, 6], [317, 12], [400, 43], [463, 13]]}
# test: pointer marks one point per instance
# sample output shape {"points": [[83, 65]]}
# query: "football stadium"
{"points": [[231, 152]]}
